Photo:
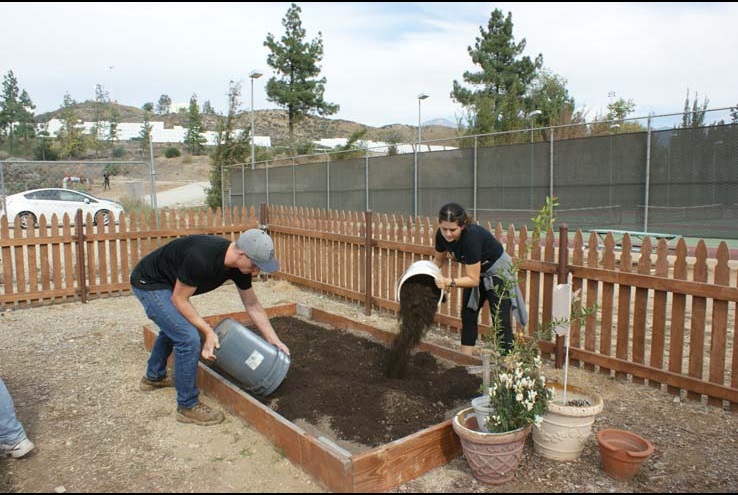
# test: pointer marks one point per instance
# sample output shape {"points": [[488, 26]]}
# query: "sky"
{"points": [[378, 57]]}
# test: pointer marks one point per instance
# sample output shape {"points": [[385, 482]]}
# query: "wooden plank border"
{"points": [[379, 469]]}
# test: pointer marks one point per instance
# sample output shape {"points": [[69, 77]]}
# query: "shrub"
{"points": [[119, 151], [171, 152]]}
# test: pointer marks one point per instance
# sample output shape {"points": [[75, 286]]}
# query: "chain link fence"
{"points": [[645, 174], [129, 182]]}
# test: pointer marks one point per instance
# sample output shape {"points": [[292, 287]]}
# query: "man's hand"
{"points": [[211, 343], [280, 345]]}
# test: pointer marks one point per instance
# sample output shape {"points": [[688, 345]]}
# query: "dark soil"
{"points": [[339, 376], [418, 304]]}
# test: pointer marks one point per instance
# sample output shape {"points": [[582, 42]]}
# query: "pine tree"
{"points": [[69, 136], [194, 140], [503, 82], [16, 113], [694, 116], [297, 87]]}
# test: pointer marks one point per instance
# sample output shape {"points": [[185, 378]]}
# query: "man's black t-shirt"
{"points": [[195, 260], [475, 245]]}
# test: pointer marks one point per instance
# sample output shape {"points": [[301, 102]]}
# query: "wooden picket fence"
{"points": [[663, 315]]}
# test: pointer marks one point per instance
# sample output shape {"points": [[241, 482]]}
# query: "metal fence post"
{"points": [[153, 181], [476, 172], [648, 176], [368, 252]]}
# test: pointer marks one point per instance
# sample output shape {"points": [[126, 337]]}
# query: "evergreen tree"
{"points": [[165, 102], [694, 116], [503, 82], [145, 133], [16, 113], [99, 112], [69, 137], [207, 108], [112, 136], [230, 148], [297, 87], [194, 140]]}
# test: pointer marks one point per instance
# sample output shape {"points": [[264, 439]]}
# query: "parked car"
{"points": [[30, 205]]}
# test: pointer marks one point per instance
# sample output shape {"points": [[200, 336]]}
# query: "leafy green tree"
{"points": [[614, 121], [71, 142], [207, 108], [230, 148], [734, 115], [503, 82], [297, 87], [194, 140], [548, 94], [165, 102], [112, 136], [353, 148], [694, 117], [16, 113], [148, 107], [145, 133], [620, 109], [44, 150], [100, 108]]}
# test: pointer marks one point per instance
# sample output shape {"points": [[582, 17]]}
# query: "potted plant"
{"points": [[518, 397]]}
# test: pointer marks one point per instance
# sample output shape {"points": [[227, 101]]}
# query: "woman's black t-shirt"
{"points": [[475, 245], [195, 260]]}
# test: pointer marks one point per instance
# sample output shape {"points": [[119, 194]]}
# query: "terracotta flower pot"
{"points": [[622, 452], [492, 457]]}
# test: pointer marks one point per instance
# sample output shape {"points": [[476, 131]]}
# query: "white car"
{"points": [[30, 205]]}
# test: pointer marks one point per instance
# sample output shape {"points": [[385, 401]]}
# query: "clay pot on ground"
{"points": [[492, 457], [622, 452], [566, 428]]}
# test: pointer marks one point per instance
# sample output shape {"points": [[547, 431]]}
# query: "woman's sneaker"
{"points": [[201, 414], [20, 449]]}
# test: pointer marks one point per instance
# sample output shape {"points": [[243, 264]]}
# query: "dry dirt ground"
{"points": [[73, 370]]}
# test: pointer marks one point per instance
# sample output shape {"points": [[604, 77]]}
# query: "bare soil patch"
{"points": [[73, 370], [337, 378]]}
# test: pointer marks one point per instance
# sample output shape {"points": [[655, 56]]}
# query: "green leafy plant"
{"points": [[171, 152], [518, 395]]}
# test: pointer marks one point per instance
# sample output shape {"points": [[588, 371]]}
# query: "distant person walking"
{"points": [[106, 181]]}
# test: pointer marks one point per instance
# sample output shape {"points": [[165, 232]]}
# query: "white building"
{"points": [[132, 130]]}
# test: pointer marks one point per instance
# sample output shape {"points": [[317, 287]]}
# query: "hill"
{"points": [[274, 123]]}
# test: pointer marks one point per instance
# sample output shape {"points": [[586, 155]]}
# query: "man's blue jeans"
{"points": [[175, 333], [11, 430]]}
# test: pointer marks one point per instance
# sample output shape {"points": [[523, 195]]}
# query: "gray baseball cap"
{"points": [[258, 246]]}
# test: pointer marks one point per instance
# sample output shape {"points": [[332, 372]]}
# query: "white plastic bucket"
{"points": [[257, 364], [422, 267]]}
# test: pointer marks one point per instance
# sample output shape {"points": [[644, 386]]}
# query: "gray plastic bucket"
{"points": [[257, 364]]}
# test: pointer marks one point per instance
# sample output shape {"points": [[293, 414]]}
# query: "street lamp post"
{"points": [[254, 74], [530, 116], [421, 97]]}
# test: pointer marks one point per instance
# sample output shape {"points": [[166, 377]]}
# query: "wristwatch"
{"points": [[453, 283]]}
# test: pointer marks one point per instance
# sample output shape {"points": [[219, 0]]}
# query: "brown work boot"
{"points": [[149, 385], [201, 414]]}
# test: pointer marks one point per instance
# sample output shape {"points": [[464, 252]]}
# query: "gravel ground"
{"points": [[73, 371]]}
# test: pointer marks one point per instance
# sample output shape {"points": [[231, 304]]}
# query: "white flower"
{"points": [[538, 420]]}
